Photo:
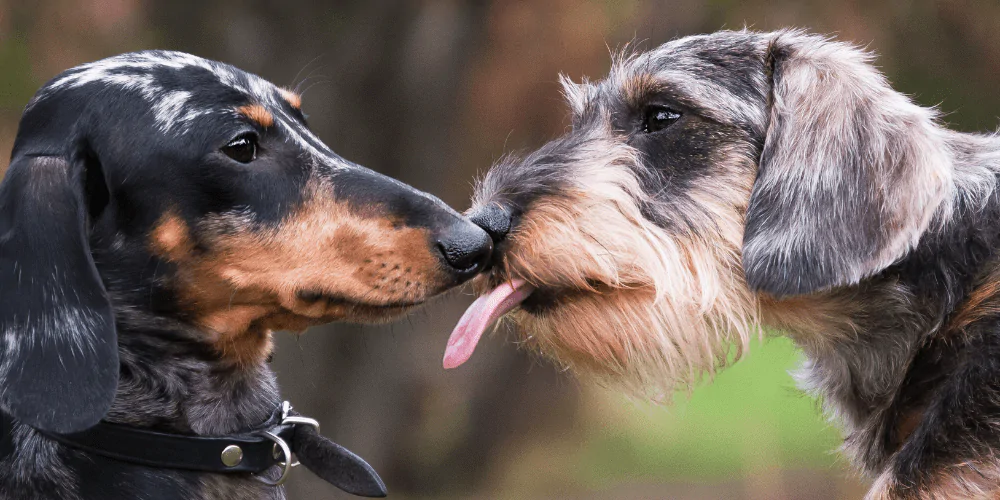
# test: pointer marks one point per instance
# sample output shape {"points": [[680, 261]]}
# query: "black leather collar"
{"points": [[254, 451]]}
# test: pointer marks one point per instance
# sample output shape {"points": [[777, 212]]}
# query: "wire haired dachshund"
{"points": [[732, 180]]}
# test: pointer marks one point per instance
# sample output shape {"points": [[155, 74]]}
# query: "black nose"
{"points": [[465, 247], [494, 219]]}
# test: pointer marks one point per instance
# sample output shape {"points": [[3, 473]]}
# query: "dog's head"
{"points": [[194, 192], [699, 181]]}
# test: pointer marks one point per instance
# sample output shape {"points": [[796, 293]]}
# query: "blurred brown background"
{"points": [[432, 92]]}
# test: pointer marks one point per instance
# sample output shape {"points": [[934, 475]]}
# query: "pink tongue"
{"points": [[483, 312]]}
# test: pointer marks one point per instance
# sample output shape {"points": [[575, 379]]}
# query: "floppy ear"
{"points": [[850, 176], [58, 346]]}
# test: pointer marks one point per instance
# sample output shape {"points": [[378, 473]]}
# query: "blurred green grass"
{"points": [[750, 418], [749, 424]]}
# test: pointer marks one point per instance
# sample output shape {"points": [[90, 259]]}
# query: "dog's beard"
{"points": [[616, 296]]}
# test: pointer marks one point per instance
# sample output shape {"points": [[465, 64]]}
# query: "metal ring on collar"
{"points": [[296, 420], [286, 408], [286, 464]]}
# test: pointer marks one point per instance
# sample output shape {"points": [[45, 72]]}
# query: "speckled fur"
{"points": [[798, 191]]}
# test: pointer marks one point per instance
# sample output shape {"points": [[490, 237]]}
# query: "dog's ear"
{"points": [[850, 176], [58, 345]]}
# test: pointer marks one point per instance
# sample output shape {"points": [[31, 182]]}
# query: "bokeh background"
{"points": [[432, 92]]}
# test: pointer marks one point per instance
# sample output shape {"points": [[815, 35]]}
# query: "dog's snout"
{"points": [[465, 247], [494, 219]]}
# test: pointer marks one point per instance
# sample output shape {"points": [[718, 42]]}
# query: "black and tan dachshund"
{"points": [[161, 216]]}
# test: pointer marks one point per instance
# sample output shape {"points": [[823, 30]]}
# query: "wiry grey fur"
{"points": [[797, 191]]}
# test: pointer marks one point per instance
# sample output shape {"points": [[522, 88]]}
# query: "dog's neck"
{"points": [[860, 341], [171, 379]]}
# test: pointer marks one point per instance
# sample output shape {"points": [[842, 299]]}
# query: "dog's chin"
{"points": [[374, 314], [591, 331]]}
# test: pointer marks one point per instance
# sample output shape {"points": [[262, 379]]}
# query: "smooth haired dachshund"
{"points": [[161, 216]]}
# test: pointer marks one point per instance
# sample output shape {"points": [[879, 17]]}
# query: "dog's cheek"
{"points": [[236, 279]]}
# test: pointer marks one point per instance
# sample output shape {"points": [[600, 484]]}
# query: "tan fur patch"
{"points": [[811, 319], [246, 282], [983, 301], [637, 88], [907, 424], [171, 237], [257, 113], [294, 100]]}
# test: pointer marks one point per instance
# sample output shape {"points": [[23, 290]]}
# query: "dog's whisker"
{"points": [[295, 83]]}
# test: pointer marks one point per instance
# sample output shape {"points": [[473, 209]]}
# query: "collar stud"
{"points": [[232, 455]]}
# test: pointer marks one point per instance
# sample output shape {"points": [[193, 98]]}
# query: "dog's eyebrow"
{"points": [[257, 113], [639, 90], [636, 89], [294, 99]]}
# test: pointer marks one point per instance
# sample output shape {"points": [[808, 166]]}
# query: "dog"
{"points": [[161, 216], [728, 181]]}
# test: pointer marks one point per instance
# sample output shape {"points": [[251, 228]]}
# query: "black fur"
{"points": [[91, 326]]}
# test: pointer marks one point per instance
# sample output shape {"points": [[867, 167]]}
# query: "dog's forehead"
{"points": [[720, 74], [167, 80], [698, 52], [174, 85]]}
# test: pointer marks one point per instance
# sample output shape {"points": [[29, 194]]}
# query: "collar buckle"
{"points": [[286, 466]]}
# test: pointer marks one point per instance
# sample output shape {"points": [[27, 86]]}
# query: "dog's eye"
{"points": [[242, 149], [658, 118]]}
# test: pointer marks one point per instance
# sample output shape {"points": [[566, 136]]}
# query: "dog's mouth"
{"points": [[502, 299], [316, 306], [313, 296]]}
